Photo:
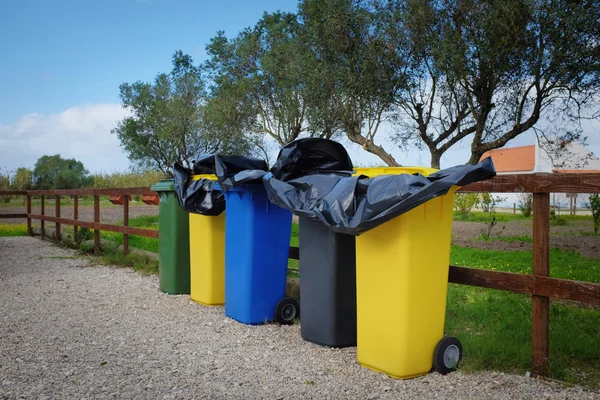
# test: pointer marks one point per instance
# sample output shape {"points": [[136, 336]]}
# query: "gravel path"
{"points": [[72, 330]]}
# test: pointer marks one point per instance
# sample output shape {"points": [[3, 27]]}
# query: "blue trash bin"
{"points": [[257, 242]]}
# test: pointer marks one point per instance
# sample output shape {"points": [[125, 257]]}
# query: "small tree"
{"points": [[490, 202], [525, 204], [5, 185], [22, 179], [464, 203], [55, 172], [594, 206]]}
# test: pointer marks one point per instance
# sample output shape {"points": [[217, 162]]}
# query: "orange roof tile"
{"points": [[514, 159]]}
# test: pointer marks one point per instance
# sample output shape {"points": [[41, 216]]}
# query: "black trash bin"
{"points": [[327, 285]]}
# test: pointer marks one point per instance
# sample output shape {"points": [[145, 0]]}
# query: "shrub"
{"points": [[489, 204], [84, 234], [525, 204], [464, 202]]}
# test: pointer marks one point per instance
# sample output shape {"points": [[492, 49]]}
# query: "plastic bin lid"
{"points": [[376, 171], [210, 177], [166, 185]]}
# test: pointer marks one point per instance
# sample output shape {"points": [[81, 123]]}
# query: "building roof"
{"points": [[514, 159]]}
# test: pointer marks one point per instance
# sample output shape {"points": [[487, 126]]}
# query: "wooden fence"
{"points": [[96, 225], [539, 284]]}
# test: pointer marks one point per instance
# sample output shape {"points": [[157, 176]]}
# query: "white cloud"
{"points": [[81, 132]]}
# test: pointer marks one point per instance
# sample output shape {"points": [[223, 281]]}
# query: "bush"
{"points": [[557, 220], [84, 234], [464, 202], [594, 206], [525, 204], [127, 180]]}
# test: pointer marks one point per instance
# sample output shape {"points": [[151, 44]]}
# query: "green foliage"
{"points": [[5, 185], [127, 180], [594, 206], [23, 179], [258, 79], [54, 172], [440, 71], [13, 230], [168, 121], [464, 202], [557, 220], [140, 263], [525, 203], [491, 69], [489, 205], [84, 234]]}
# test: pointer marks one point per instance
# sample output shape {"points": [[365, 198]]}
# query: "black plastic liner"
{"points": [[354, 205], [311, 156], [205, 196], [199, 197]]}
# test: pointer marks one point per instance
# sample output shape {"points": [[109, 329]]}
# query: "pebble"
{"points": [[56, 337]]}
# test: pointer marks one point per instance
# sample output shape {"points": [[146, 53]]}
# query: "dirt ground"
{"points": [[86, 213], [576, 235], [573, 236]]}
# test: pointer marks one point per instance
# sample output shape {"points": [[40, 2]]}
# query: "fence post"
{"points": [[42, 213], [514, 208], [75, 216], [57, 215], [29, 233], [96, 221], [540, 317], [126, 223]]}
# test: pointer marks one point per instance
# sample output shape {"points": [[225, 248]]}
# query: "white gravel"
{"points": [[71, 330]]}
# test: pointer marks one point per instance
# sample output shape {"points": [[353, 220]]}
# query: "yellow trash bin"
{"points": [[402, 281], [207, 256]]}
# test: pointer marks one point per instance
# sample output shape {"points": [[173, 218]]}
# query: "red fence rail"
{"points": [[539, 284]]}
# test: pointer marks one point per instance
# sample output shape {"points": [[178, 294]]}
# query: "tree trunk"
{"points": [[435, 159], [372, 148]]}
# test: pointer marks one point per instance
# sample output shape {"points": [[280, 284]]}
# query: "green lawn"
{"points": [[13, 230], [480, 216], [495, 326], [140, 242]]}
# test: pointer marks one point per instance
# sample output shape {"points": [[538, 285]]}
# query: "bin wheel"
{"points": [[447, 355], [287, 310]]}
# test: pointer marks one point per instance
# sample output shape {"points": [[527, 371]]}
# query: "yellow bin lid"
{"points": [[210, 177], [376, 171]]}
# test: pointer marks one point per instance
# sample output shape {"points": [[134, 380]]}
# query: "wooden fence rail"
{"points": [[539, 284], [96, 225]]}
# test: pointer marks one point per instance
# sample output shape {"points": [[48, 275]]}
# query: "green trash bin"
{"points": [[174, 241]]}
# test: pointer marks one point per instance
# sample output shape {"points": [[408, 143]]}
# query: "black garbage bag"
{"points": [[206, 196], [310, 156], [202, 196], [232, 170], [354, 205]]}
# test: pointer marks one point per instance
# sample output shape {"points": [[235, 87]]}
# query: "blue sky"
{"points": [[63, 61], [58, 54]]}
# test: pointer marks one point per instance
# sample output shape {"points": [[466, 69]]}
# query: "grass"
{"points": [[138, 262], [140, 242], [13, 230], [480, 216], [563, 264], [294, 265], [495, 326]]}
